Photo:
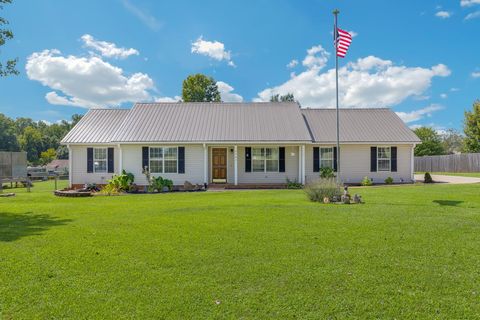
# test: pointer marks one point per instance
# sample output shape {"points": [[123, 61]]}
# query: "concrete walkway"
{"points": [[449, 179]]}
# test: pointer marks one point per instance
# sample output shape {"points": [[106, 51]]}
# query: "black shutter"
{"points": [[316, 159], [281, 159], [89, 160], [373, 159], [181, 159], [393, 159], [248, 159], [145, 156], [110, 166], [335, 166]]}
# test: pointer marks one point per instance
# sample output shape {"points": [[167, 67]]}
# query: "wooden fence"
{"points": [[465, 162]]}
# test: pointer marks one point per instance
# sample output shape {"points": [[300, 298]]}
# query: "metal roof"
{"points": [[96, 126], [170, 122], [358, 125]]}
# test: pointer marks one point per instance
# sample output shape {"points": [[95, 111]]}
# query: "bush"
{"points": [[366, 182], [427, 178], [327, 173], [293, 184], [122, 182], [110, 189], [323, 188], [158, 183], [389, 180]]}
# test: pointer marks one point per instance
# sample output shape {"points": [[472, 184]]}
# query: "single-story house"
{"points": [[58, 166], [238, 144]]}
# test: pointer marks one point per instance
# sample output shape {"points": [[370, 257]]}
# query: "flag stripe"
{"points": [[344, 39]]}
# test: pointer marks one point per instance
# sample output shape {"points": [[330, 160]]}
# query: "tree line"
{"points": [[39, 139]]}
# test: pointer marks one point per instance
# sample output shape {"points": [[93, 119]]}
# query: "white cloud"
{"points": [[469, 3], [353, 33], [454, 89], [213, 49], [316, 58], [144, 16], [169, 99], [108, 49], [86, 81], [226, 92], [443, 96], [292, 64], [367, 82], [473, 15], [416, 115], [476, 74], [443, 14]]}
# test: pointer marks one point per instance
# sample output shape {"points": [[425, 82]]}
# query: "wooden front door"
{"points": [[219, 165]]}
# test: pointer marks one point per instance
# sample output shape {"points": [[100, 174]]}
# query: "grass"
{"points": [[459, 174], [409, 252]]}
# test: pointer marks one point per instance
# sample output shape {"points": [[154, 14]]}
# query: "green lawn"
{"points": [[409, 252], [460, 174]]}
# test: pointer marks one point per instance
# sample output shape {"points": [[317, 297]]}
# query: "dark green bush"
{"points": [[327, 173], [389, 180], [293, 184], [427, 178]]}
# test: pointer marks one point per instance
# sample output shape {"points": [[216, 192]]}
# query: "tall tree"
{"points": [[452, 141], [8, 139], [31, 142], [471, 127], [6, 34], [285, 98], [431, 143], [200, 88]]}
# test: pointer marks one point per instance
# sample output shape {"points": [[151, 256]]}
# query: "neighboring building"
{"points": [[59, 166], [238, 143]]}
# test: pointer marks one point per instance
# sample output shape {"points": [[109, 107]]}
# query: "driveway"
{"points": [[449, 179]]}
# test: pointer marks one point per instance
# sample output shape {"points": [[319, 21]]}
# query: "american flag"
{"points": [[344, 40]]}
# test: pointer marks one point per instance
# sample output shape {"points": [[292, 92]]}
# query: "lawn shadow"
{"points": [[451, 203], [14, 226]]}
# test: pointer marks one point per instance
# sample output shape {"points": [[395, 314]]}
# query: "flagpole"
{"points": [[335, 13]]}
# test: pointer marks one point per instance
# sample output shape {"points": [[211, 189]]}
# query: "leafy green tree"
{"points": [[452, 141], [62, 152], [200, 88], [47, 156], [471, 127], [31, 142], [285, 98], [431, 143], [6, 34], [8, 139]]}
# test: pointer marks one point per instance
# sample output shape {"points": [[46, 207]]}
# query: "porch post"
{"points": [[120, 159], [299, 164], [70, 159], [303, 165], [412, 164], [235, 164], [205, 163]]}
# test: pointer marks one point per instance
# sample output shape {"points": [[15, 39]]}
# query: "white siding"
{"points": [[132, 162], [355, 164], [79, 166]]}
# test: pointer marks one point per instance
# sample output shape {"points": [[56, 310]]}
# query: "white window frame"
{"points": [[384, 159], [96, 161], [329, 159], [265, 159], [162, 159]]}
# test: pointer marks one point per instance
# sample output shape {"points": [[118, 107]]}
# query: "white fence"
{"points": [[465, 162]]}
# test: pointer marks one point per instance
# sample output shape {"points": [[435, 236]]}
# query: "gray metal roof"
{"points": [[170, 122], [96, 126], [358, 125]]}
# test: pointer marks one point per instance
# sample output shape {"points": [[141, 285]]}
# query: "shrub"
{"points": [[293, 184], [389, 180], [122, 182], [327, 173], [427, 178], [323, 188], [366, 182], [158, 183], [110, 190]]}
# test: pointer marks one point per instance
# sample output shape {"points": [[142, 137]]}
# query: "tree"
{"points": [[452, 141], [62, 152], [47, 156], [200, 88], [471, 127], [8, 139], [285, 98], [431, 143], [31, 142], [6, 34]]}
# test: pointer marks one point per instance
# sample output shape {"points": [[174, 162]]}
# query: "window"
{"points": [[383, 158], [100, 160], [163, 159], [265, 159], [326, 157]]}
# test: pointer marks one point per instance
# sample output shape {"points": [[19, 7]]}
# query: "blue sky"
{"points": [[420, 58]]}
